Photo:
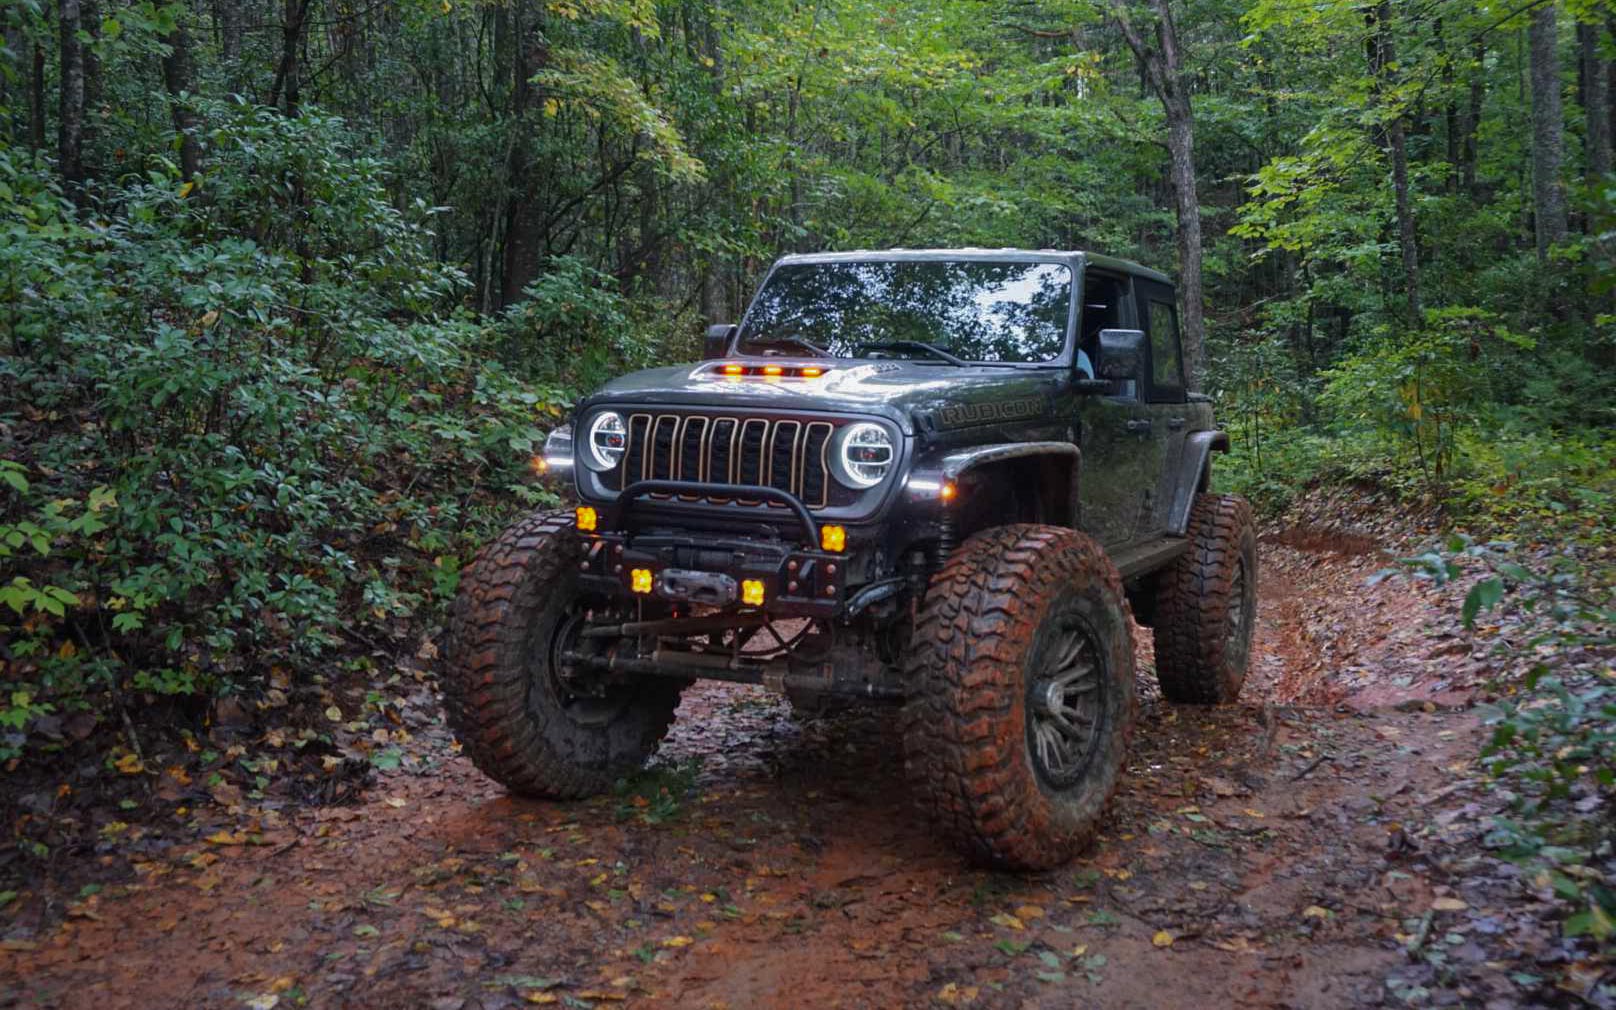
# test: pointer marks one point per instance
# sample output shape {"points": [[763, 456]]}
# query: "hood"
{"points": [[897, 390]]}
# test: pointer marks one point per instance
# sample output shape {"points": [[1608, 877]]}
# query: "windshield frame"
{"points": [[1074, 263]]}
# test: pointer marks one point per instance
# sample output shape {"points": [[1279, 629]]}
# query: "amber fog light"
{"points": [[587, 519], [639, 580], [833, 538], [752, 592]]}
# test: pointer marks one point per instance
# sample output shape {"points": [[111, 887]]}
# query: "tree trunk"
{"points": [[90, 24], [228, 15], [1382, 61], [1548, 130], [1452, 130], [525, 245], [1162, 66], [1406, 239], [286, 73], [36, 101], [1478, 92], [70, 115], [177, 82], [1595, 96]]}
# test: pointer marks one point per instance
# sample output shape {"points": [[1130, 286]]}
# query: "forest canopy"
{"points": [[292, 290]]}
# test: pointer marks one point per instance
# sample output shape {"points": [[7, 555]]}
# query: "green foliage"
{"points": [[1416, 393], [1553, 744], [258, 426]]}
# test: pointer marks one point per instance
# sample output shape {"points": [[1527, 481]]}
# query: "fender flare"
{"points": [[956, 464], [1194, 462]]}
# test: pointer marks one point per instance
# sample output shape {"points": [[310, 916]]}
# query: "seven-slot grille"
{"points": [[782, 453]]}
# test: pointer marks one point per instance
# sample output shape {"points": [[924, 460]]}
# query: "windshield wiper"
{"points": [[914, 345], [800, 342]]}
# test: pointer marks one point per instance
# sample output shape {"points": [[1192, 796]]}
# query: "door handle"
{"points": [[1138, 426], [1175, 423]]}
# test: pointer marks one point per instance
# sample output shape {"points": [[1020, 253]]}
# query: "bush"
{"points": [[1553, 744], [244, 422]]}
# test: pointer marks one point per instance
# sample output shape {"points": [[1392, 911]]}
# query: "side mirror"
{"points": [[1122, 354], [716, 344]]}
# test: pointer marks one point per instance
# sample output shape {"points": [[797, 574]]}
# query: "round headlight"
{"points": [[862, 455], [606, 442]]}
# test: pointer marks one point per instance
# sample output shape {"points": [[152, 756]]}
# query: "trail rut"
{"points": [[1260, 855]]}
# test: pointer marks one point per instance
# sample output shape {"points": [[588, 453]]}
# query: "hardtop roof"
{"points": [[1072, 257]]}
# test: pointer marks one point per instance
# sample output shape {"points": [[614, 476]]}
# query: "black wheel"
{"points": [[1021, 686], [523, 717], [1206, 605]]}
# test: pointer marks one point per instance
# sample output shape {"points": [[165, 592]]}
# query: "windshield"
{"points": [[928, 310]]}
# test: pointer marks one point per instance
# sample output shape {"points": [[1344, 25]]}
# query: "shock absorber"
{"points": [[947, 538]]}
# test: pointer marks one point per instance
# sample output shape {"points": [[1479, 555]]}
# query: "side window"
{"points": [[1105, 301], [1166, 358]]}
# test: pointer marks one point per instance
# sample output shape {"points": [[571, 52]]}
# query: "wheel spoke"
{"points": [[1065, 705], [1071, 651]]}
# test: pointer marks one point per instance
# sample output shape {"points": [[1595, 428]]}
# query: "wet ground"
{"points": [[1286, 852]]}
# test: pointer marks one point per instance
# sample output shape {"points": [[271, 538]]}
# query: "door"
{"points": [[1118, 485], [1165, 394]]}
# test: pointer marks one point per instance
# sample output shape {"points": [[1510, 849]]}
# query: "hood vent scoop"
{"points": [[736, 371]]}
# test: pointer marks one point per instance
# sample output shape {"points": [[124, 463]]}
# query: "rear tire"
{"points": [[519, 720], [1022, 695], [1206, 605]]}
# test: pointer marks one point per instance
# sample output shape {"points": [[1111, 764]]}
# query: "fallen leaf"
{"points": [[1162, 938], [129, 764], [677, 941], [1315, 912], [1008, 921], [1026, 912], [1449, 905], [395, 801], [334, 713]]}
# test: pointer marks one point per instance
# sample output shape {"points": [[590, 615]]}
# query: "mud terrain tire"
{"points": [[512, 715], [993, 649], [1206, 605]]}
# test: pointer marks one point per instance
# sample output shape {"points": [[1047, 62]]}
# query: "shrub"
{"points": [[244, 421]]}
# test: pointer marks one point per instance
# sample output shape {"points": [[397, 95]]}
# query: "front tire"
{"points": [[520, 717], [1206, 605], [1021, 695]]}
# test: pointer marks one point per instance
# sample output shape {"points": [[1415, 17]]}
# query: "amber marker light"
{"points": [[752, 592], [950, 489], [772, 373], [833, 538], [734, 370], [812, 373], [587, 519], [639, 580]]}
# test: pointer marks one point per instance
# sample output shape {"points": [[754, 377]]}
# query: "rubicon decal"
{"points": [[964, 414]]}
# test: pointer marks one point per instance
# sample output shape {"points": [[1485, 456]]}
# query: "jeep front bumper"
{"points": [[782, 576]]}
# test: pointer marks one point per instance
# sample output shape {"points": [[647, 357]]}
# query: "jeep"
{"points": [[937, 479]]}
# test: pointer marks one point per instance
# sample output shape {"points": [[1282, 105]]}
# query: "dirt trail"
{"points": [[1263, 855]]}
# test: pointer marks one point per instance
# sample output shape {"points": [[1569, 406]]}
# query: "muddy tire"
{"points": [[1206, 605], [1021, 704], [507, 703]]}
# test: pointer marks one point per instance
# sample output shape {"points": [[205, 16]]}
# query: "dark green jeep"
{"points": [[938, 479]]}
